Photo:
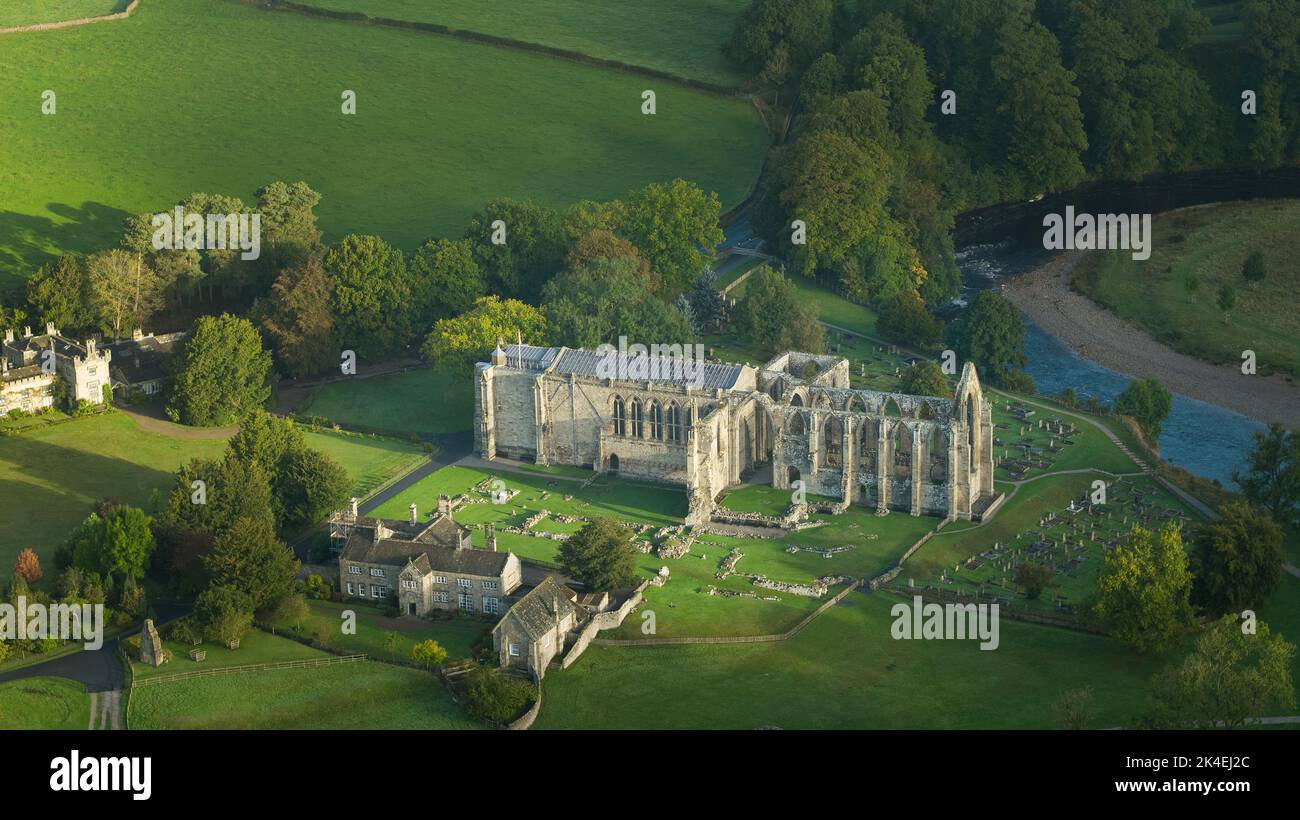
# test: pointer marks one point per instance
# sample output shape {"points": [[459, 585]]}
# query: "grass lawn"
{"points": [[51, 478], [684, 37], [832, 308], [44, 703], [442, 126], [457, 635], [30, 12], [1211, 244], [421, 401], [369, 460], [363, 695], [846, 671]]}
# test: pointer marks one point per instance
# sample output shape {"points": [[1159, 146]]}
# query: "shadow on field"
{"points": [[27, 241], [57, 487]]}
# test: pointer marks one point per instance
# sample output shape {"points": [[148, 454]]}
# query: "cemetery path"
{"points": [[1016, 485]]}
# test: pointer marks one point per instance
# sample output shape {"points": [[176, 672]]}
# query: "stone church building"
{"points": [[796, 415]]}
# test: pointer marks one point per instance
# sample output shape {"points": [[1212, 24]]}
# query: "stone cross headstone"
{"points": [[151, 648]]}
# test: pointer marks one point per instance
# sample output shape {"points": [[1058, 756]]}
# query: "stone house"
{"points": [[533, 630], [797, 415], [140, 363], [427, 565], [31, 364]]}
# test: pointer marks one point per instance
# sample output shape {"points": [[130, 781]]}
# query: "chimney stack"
{"points": [[352, 507], [415, 516], [490, 540], [50, 330]]}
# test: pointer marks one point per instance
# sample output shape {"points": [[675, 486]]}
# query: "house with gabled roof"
{"points": [[427, 565], [533, 630]]}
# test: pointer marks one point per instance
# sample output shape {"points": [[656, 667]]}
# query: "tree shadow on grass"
{"points": [[54, 488], [28, 241]]}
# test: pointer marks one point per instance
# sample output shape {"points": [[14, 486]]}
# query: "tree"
{"points": [[495, 697], [904, 318], [600, 555], [777, 38], [391, 641], [117, 544], [289, 220], [1252, 270], [293, 610], [27, 566], [992, 335], [250, 559], [124, 289], [802, 330], [372, 296], [1143, 591], [707, 304], [445, 280], [1148, 402], [602, 244], [532, 250], [454, 345], [1226, 300], [1229, 678], [428, 653], [1237, 559], [59, 292], [1074, 709], [225, 613], [300, 323], [925, 378], [220, 373], [771, 303], [1034, 578], [608, 299], [675, 227], [310, 485], [265, 440], [1272, 475]]}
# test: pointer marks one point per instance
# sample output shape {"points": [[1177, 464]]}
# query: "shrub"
{"points": [[495, 697]]}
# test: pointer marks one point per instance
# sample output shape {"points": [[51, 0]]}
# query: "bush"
{"points": [[495, 697]]}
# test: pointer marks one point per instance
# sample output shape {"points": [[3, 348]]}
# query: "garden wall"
{"points": [[84, 21]]}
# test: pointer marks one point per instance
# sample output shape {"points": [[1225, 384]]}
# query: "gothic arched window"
{"points": [[795, 427], [834, 430], [620, 417], [674, 422], [638, 426], [656, 421]]}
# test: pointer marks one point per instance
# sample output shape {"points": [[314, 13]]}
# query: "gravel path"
{"points": [[1097, 334]]}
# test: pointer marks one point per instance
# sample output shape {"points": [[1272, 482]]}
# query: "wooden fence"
{"points": [[251, 667]]}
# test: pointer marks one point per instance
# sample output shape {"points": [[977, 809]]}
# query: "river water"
{"points": [[1203, 438]]}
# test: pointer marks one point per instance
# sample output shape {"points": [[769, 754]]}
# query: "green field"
{"points": [[684, 37], [457, 635], [846, 672], [44, 703], [422, 401], [442, 126], [1211, 244], [364, 695], [29, 12], [51, 478]]}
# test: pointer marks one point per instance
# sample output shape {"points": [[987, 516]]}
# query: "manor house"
{"points": [[34, 366], [716, 427]]}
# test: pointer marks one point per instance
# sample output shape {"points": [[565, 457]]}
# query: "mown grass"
{"points": [[441, 127], [457, 635], [44, 703], [1211, 244], [30, 12], [684, 37], [423, 402], [846, 671], [361, 695]]}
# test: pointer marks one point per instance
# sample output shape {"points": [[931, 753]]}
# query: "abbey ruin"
{"points": [[796, 416]]}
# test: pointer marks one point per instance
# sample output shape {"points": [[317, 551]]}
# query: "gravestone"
{"points": [[151, 648]]}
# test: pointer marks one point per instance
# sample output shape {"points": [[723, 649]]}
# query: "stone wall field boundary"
{"points": [[84, 21], [783, 636], [602, 621]]}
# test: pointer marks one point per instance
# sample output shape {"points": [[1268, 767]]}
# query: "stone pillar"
{"points": [[849, 460], [540, 420], [814, 436], [151, 648], [884, 461], [919, 458], [487, 440]]}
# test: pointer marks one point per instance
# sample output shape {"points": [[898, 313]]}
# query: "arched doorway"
{"points": [[613, 462]]}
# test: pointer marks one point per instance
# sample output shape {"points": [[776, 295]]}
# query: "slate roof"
{"points": [[535, 612], [433, 548], [662, 369], [140, 360]]}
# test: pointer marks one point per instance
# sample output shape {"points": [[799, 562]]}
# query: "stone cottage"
{"points": [[533, 630]]}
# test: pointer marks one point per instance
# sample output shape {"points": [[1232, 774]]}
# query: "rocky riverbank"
{"points": [[1095, 333]]}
